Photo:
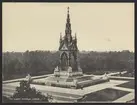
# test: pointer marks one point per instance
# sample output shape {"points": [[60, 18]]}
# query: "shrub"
{"points": [[25, 91]]}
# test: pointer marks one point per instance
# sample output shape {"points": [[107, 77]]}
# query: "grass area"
{"points": [[62, 94], [15, 76], [105, 95], [130, 84]]}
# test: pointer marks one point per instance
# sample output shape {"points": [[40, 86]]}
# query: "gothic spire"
{"points": [[68, 27]]}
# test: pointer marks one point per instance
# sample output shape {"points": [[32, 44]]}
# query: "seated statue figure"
{"points": [[56, 71], [79, 69], [69, 69]]}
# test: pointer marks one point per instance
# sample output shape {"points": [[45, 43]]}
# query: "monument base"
{"points": [[71, 79], [74, 81]]}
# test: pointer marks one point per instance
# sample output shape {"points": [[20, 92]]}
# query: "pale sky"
{"points": [[37, 26]]}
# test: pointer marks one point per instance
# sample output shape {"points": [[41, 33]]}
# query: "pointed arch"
{"points": [[64, 60]]}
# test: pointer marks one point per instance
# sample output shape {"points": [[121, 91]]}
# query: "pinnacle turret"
{"points": [[60, 37]]}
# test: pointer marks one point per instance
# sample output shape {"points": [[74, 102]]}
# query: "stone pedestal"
{"points": [[70, 79]]}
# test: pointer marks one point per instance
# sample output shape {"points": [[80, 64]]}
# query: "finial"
{"points": [[60, 37]]}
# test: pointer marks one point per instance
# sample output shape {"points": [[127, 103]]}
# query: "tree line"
{"points": [[19, 64]]}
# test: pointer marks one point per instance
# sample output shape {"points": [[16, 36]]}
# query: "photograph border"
{"points": [[75, 1]]}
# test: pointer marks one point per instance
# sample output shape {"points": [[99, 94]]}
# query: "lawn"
{"points": [[130, 84], [105, 95]]}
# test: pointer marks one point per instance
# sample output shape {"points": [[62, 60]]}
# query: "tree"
{"points": [[25, 91], [18, 64]]}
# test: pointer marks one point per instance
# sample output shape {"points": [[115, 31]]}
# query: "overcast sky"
{"points": [[37, 26]]}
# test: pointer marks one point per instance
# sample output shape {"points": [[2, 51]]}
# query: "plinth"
{"points": [[69, 79]]}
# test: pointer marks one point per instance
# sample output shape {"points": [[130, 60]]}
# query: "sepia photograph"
{"points": [[68, 52]]}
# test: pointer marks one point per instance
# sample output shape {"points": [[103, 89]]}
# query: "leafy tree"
{"points": [[25, 91], [19, 64]]}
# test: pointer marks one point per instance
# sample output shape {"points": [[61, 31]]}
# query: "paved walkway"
{"points": [[42, 76], [10, 85], [122, 77], [124, 89], [17, 80], [83, 91], [125, 98]]}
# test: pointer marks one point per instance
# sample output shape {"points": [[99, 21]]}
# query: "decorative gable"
{"points": [[64, 47], [73, 46]]}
